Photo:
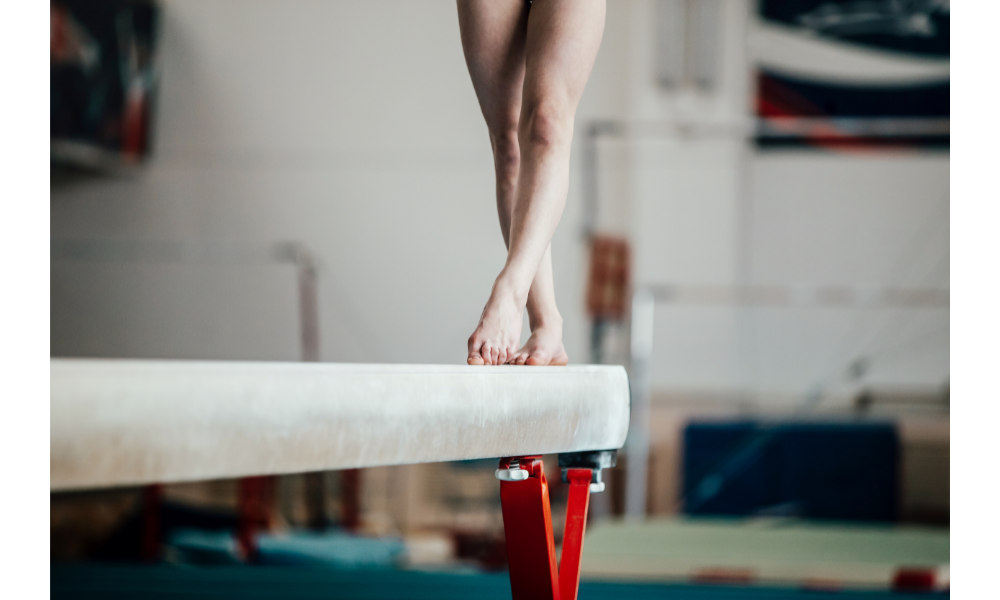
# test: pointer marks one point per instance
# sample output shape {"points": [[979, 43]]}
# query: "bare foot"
{"points": [[494, 341], [544, 347]]}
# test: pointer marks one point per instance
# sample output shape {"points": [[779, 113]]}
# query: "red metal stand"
{"points": [[527, 522], [256, 508], [576, 524], [152, 534], [350, 499]]}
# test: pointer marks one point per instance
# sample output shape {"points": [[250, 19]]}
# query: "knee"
{"points": [[546, 123], [506, 149]]}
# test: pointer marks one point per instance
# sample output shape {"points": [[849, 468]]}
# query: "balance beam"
{"points": [[131, 422]]}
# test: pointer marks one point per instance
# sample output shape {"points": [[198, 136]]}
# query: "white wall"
{"points": [[353, 127], [859, 221], [710, 209]]}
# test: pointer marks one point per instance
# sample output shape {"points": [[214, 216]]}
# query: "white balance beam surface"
{"points": [[129, 422]]}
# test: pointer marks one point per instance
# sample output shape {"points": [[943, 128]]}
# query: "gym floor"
{"points": [[292, 583]]}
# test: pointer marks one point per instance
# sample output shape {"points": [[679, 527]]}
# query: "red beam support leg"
{"points": [[256, 508], [350, 499], [152, 531], [576, 523], [527, 522]]}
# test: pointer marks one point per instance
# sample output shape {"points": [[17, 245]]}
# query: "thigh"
{"points": [[493, 39], [563, 37]]}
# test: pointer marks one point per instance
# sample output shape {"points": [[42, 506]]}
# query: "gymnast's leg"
{"points": [[560, 44], [493, 39]]}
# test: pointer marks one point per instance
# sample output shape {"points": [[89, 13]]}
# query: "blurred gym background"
{"points": [[757, 228]]}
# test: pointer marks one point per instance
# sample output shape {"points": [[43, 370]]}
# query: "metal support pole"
{"points": [[308, 304], [590, 182], [592, 132], [637, 444], [315, 483], [598, 328]]}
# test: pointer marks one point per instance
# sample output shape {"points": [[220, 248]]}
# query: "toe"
{"points": [[538, 359], [475, 350], [511, 355]]}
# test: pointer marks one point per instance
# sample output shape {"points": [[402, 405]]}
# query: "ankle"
{"points": [[507, 285], [550, 320]]}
